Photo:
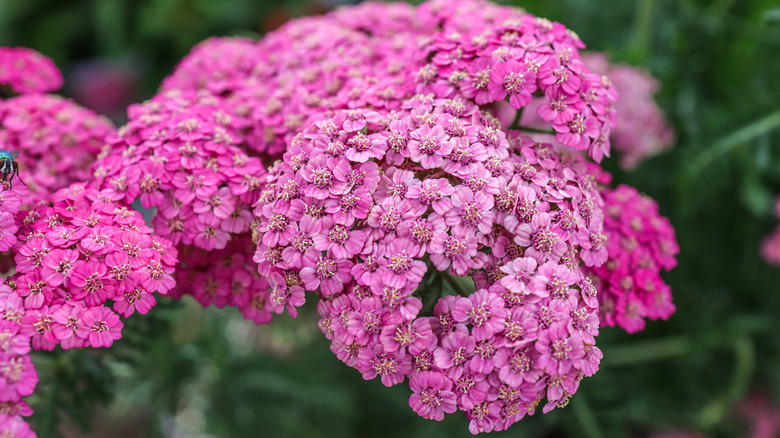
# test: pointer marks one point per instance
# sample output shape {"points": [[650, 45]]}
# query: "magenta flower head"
{"points": [[398, 180], [80, 253], [218, 65], [26, 71], [57, 141], [519, 230], [228, 277], [280, 84], [523, 58], [99, 327], [179, 155], [640, 243]]}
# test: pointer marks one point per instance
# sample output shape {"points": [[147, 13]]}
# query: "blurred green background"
{"points": [[182, 371]]}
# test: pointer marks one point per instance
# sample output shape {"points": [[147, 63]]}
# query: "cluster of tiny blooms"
{"points": [[17, 373], [18, 377], [57, 141], [79, 256], [372, 210], [78, 259], [376, 55], [311, 65], [640, 243], [770, 247], [27, 71], [493, 54], [178, 154], [225, 277], [641, 129]]}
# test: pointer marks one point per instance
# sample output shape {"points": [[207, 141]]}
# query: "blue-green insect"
{"points": [[9, 166]]}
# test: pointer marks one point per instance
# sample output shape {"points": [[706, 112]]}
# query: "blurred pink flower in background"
{"points": [[770, 247], [762, 414], [105, 86], [27, 71]]}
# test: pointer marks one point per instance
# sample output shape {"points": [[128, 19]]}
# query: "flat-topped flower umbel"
{"points": [[530, 321]]}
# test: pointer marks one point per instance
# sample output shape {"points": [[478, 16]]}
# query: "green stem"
{"points": [[47, 417], [731, 142], [643, 351], [452, 283], [745, 354], [516, 122], [639, 352], [463, 286], [585, 418], [642, 21], [429, 300], [745, 361], [535, 130]]}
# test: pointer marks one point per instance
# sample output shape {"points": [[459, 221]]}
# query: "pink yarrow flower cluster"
{"points": [[75, 256], [178, 154], [218, 65], [640, 243], [371, 209], [275, 86], [641, 129], [83, 260], [517, 58], [27, 71], [226, 277], [57, 141], [79, 258]]}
